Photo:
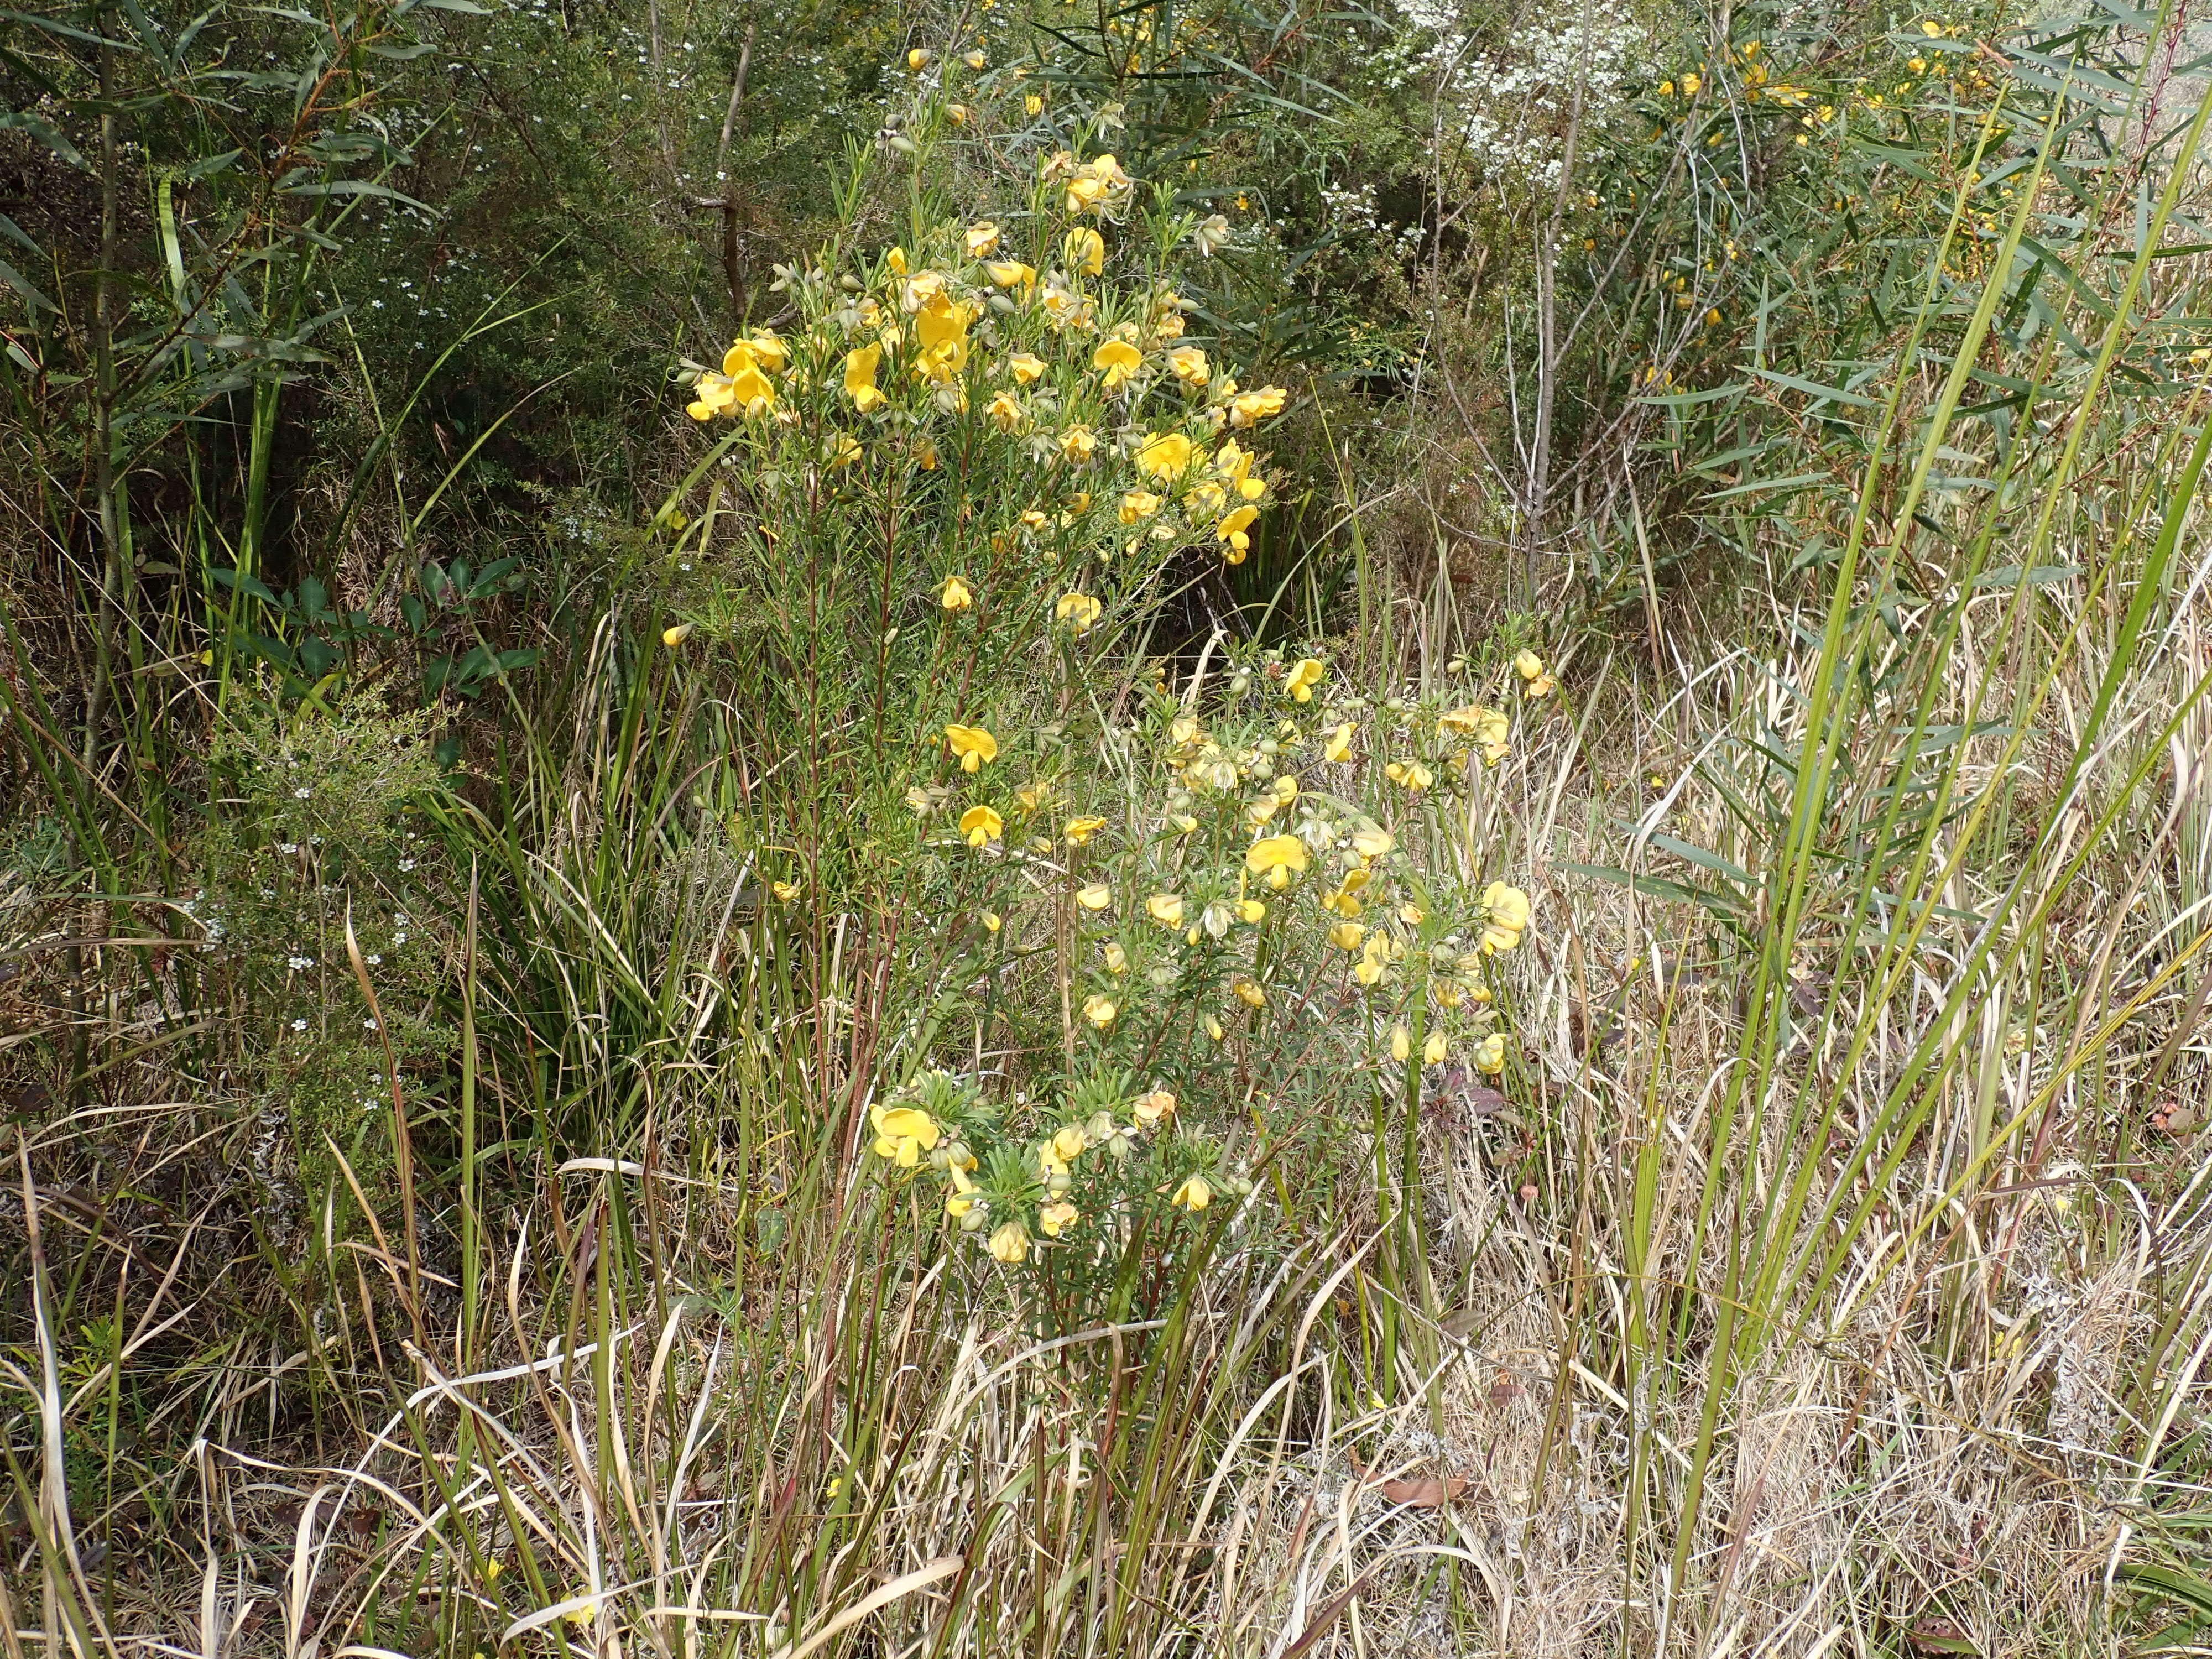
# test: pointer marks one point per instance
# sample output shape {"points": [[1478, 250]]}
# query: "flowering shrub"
{"points": [[935, 522]]}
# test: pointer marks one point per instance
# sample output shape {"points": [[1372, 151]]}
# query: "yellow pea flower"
{"points": [[957, 595], [1434, 1051], [1006, 412], [1136, 506], [1163, 455], [917, 59], [1189, 365], [1401, 1043], [962, 1198], [1151, 1109], [1012, 273], [1490, 1054], [860, 377], [786, 890], [1346, 935], [672, 637], [1080, 611], [1094, 895], [957, 113], [1251, 910], [1077, 445], [895, 260], [1689, 85], [1528, 664], [1248, 992], [971, 746], [1235, 532], [972, 59], [1099, 1010], [1372, 843], [1309, 673], [1077, 832], [1339, 746], [980, 238], [1119, 360], [1193, 1194], [1117, 959], [1165, 908], [1506, 917], [1214, 1030], [1085, 250], [992, 922], [1276, 858], [1032, 103], [903, 1134], [1057, 1217], [1249, 408], [1026, 369], [1010, 1243], [1068, 1142], [981, 825], [1413, 775]]}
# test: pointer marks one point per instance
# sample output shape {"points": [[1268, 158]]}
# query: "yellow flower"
{"points": [[1078, 831], [1027, 370], [903, 1134], [1213, 1029], [1415, 776], [1078, 444], [1276, 858], [1346, 935], [1094, 895], [941, 327], [1054, 1219], [1528, 664], [1150, 1109], [957, 113], [917, 59], [1338, 744], [1193, 1194], [1117, 959], [1012, 273], [1251, 910], [972, 59], [672, 637], [1006, 412], [992, 922], [926, 457], [980, 238], [1401, 1043], [1067, 1142], [839, 450], [1079, 611], [1247, 407], [1120, 360], [980, 825], [1248, 992], [860, 377], [957, 595], [1490, 1053], [1506, 910], [1136, 506], [1163, 455], [1235, 531], [1372, 843], [972, 745], [1490, 730], [1689, 85], [1309, 673], [962, 1198], [1085, 250], [1187, 364], [786, 890], [1032, 103], [1435, 1049], [1098, 1008], [1165, 908], [1010, 1243]]}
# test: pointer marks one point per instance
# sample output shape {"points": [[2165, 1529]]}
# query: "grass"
{"points": [[1828, 1273]]}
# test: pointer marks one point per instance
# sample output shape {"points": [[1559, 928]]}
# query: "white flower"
{"points": [[301, 792], [297, 963], [298, 1024], [369, 1025], [407, 864]]}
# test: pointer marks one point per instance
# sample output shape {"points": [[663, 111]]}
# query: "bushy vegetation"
{"points": [[1224, 827]]}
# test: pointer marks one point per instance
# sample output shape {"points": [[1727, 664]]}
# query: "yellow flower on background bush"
{"points": [[1152, 1109], [903, 1134], [1094, 895], [1026, 369], [1196, 1194], [971, 746], [975, 60], [860, 377], [1136, 506], [1249, 408], [1098, 1008], [1506, 917], [1339, 746], [1346, 935], [1055, 1218], [1119, 360], [672, 637], [1165, 908], [1491, 731], [980, 238], [1006, 412], [1309, 672], [958, 596], [1080, 611], [1401, 1044], [1490, 1053], [1187, 364], [940, 324], [1084, 251], [1435, 1049], [1078, 832], [1235, 533], [1012, 273], [1010, 1243], [1032, 103], [981, 825], [1372, 843], [1278, 858], [1164, 455], [1413, 775]]}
